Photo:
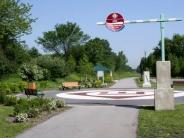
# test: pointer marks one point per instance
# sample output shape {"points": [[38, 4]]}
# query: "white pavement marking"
{"points": [[94, 95]]}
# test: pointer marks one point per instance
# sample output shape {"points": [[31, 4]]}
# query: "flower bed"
{"points": [[30, 108]]}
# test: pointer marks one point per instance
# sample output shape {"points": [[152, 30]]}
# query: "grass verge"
{"points": [[139, 83], [9, 129], [161, 124]]}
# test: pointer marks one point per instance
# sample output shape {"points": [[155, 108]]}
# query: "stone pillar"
{"points": [[146, 79], [164, 99]]}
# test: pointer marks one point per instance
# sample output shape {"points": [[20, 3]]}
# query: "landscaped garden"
{"points": [[17, 114]]}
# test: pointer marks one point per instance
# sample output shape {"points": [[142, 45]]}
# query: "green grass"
{"points": [[178, 87], [12, 78], [55, 84], [121, 75], [139, 83], [161, 124], [50, 84], [8, 129]]}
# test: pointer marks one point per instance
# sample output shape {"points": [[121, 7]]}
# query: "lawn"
{"points": [[161, 124], [8, 129], [139, 83], [121, 75]]}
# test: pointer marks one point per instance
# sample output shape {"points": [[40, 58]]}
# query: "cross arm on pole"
{"points": [[144, 21], [162, 20]]}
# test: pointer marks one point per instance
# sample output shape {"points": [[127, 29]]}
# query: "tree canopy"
{"points": [[174, 49], [70, 49], [15, 21], [63, 38]]}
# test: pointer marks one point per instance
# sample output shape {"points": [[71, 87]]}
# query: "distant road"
{"points": [[125, 83]]}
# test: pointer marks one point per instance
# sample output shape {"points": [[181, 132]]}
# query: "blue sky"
{"points": [[134, 39]]}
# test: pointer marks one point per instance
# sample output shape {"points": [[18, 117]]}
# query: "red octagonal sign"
{"points": [[115, 22]]}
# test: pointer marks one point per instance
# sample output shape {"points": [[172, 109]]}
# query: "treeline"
{"points": [[70, 49], [174, 51]]}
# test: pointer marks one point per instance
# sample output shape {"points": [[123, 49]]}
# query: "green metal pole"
{"points": [[162, 37]]}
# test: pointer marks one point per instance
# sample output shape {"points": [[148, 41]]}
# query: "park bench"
{"points": [[33, 92], [70, 85], [178, 83]]}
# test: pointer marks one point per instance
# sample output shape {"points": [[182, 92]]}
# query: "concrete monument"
{"points": [[164, 99]]}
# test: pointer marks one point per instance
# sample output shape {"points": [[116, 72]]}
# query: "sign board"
{"points": [[115, 22], [100, 73]]}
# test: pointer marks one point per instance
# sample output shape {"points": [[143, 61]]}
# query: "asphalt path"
{"points": [[88, 121], [93, 119], [125, 83]]}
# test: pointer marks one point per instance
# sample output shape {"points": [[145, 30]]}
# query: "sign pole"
{"points": [[164, 99], [115, 25], [162, 30]]}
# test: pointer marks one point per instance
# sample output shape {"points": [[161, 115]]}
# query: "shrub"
{"points": [[5, 88], [72, 77], [34, 106], [52, 105], [31, 72], [86, 83], [2, 97], [14, 88], [60, 103], [43, 84], [22, 106], [33, 112], [22, 117], [22, 86], [97, 84], [55, 66], [108, 79], [10, 100]]}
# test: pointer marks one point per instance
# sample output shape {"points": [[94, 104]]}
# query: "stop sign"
{"points": [[115, 22]]}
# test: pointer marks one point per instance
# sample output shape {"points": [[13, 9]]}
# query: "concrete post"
{"points": [[146, 79], [164, 99]]}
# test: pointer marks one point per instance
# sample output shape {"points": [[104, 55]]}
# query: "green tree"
{"points": [[33, 52], [55, 65], [70, 65], [85, 67], [15, 20], [99, 51], [121, 62], [174, 49], [63, 38], [175, 67]]}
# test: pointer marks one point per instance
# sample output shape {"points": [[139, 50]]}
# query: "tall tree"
{"points": [[174, 49], [15, 20], [63, 38], [99, 51], [121, 62]]}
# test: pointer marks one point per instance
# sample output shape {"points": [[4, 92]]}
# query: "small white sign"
{"points": [[100, 74], [146, 79]]}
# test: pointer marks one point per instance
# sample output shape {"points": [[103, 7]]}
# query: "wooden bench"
{"points": [[70, 85], [33, 92], [178, 83]]}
